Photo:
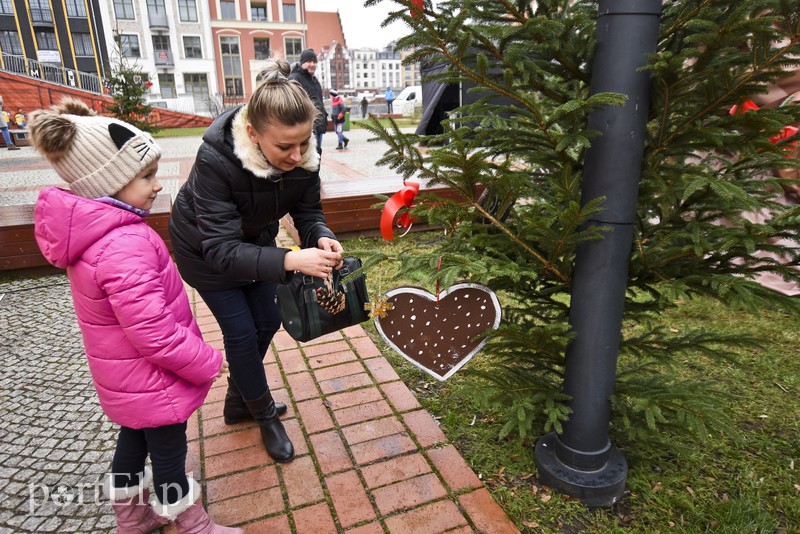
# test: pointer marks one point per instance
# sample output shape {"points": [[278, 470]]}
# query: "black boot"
{"points": [[274, 436], [235, 410], [339, 147], [346, 142]]}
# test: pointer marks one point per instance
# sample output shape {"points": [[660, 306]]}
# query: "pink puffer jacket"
{"points": [[147, 357]]}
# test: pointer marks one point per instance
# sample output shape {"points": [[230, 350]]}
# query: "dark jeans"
{"points": [[166, 446], [248, 317], [319, 142]]}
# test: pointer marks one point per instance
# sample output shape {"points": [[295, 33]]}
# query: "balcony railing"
{"points": [[52, 73], [158, 20]]}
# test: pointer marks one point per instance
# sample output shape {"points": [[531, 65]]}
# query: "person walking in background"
{"points": [[337, 112], [20, 119], [389, 96], [257, 163], [147, 358], [304, 74], [364, 106], [4, 128]]}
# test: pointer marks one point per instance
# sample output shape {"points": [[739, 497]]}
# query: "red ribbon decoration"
{"points": [[786, 133], [747, 105], [419, 4], [402, 199]]}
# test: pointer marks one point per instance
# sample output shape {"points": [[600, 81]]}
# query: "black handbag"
{"points": [[312, 307]]}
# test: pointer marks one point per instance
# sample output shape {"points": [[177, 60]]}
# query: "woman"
{"points": [[257, 163]]}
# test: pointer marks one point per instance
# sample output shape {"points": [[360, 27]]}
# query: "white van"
{"points": [[408, 100]]}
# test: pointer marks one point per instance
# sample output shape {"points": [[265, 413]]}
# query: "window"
{"points": [[83, 44], [123, 9], [161, 50], [293, 47], [6, 8], [76, 8], [40, 11], [166, 81], [192, 47], [258, 11], [129, 46], [196, 85], [160, 42], [227, 9], [46, 41], [187, 10], [156, 8], [9, 43], [231, 66], [289, 13], [261, 47]]}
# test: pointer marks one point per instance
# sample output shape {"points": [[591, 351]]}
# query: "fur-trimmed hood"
{"points": [[253, 159]]}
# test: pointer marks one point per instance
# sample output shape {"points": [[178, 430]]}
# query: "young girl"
{"points": [[148, 361]]}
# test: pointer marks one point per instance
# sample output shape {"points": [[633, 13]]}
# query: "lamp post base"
{"points": [[598, 488]]}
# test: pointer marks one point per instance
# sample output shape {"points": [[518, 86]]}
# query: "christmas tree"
{"points": [[128, 84], [708, 167]]}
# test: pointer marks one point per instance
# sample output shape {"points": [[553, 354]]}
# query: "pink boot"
{"points": [[132, 507], [189, 515]]}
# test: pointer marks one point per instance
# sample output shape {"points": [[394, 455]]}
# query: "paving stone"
{"points": [[424, 427], [353, 398], [455, 471], [302, 482], [315, 416], [272, 525], [427, 519], [408, 493], [364, 412], [337, 385], [349, 498], [400, 396], [330, 452], [316, 519], [394, 470], [485, 513]]}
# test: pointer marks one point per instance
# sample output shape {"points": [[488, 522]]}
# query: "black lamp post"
{"points": [[581, 461]]}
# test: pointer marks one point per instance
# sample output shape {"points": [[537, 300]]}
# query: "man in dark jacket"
{"points": [[304, 73]]}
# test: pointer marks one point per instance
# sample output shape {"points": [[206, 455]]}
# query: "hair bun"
{"points": [[274, 71]]}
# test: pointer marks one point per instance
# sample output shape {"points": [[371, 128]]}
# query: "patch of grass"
{"points": [[750, 484], [180, 132]]}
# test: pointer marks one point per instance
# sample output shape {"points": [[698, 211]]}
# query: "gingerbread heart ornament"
{"points": [[438, 335]]}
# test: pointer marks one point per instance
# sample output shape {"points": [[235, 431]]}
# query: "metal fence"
{"points": [[52, 73]]}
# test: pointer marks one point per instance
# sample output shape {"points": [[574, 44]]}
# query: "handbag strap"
{"points": [[312, 312], [352, 299]]}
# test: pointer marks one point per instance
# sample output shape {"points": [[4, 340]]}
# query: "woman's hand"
{"points": [[326, 243], [313, 261]]}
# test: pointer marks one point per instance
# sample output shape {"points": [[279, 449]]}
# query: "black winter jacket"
{"points": [[225, 218], [314, 90]]}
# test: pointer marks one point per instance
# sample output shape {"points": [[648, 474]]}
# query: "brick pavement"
{"points": [[369, 458]]}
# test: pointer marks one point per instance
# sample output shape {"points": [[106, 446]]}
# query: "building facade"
{"points": [[60, 42], [170, 42], [246, 33]]}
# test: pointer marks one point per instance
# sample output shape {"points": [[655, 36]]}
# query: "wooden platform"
{"points": [[18, 248]]}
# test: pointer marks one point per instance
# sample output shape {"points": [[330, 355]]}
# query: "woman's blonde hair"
{"points": [[279, 100]]}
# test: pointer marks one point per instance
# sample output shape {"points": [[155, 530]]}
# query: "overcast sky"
{"points": [[361, 25]]}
